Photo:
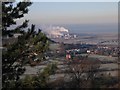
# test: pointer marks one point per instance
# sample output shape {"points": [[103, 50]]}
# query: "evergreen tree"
{"points": [[10, 13], [29, 47]]}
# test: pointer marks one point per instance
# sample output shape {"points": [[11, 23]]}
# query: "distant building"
{"points": [[16, 35], [68, 56], [88, 51]]}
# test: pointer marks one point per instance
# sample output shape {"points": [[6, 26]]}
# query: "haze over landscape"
{"points": [[64, 45], [77, 17]]}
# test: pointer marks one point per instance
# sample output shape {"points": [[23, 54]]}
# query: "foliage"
{"points": [[10, 13], [24, 51], [37, 81], [28, 48]]}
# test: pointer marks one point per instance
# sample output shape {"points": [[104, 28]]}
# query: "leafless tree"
{"points": [[81, 73]]}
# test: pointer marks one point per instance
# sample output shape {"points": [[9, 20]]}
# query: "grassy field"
{"points": [[101, 57]]}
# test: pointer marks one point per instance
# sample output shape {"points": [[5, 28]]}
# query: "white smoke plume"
{"points": [[55, 31]]}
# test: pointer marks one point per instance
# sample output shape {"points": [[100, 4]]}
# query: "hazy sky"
{"points": [[93, 14], [73, 13]]}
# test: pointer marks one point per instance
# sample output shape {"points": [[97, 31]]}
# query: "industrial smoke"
{"points": [[55, 31]]}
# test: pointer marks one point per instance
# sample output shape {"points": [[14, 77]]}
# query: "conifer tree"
{"points": [[29, 47], [10, 13]]}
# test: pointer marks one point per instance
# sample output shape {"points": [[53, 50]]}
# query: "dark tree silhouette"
{"points": [[28, 48], [10, 13]]}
